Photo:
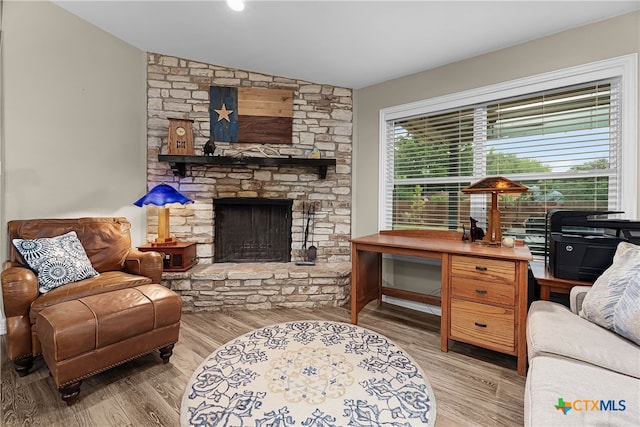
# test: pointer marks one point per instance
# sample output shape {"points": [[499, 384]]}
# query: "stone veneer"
{"points": [[322, 118], [255, 286]]}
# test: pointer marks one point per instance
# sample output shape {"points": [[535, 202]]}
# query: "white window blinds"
{"points": [[564, 144]]}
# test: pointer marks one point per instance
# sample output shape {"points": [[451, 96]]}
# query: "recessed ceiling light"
{"points": [[236, 5]]}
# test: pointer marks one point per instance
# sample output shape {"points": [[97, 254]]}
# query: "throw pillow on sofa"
{"points": [[613, 302], [56, 260]]}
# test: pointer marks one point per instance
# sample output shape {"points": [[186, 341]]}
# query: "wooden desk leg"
{"points": [[521, 316], [354, 284], [366, 272], [522, 366], [545, 294], [379, 279], [445, 319]]}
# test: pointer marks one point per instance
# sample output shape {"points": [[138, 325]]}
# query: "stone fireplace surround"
{"points": [[322, 119]]}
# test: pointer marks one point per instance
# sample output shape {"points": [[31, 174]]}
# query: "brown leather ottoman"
{"points": [[92, 334]]}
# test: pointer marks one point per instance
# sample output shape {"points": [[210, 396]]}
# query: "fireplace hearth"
{"points": [[252, 230]]}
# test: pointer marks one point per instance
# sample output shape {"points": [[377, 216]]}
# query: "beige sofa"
{"points": [[574, 363]]}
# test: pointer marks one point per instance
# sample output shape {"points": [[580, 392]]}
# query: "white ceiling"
{"points": [[343, 43]]}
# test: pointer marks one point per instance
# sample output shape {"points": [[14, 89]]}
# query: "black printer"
{"points": [[581, 248]]}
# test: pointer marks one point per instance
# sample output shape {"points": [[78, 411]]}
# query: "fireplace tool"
{"points": [[312, 252], [308, 255]]}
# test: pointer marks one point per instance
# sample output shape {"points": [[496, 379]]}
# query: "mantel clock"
{"points": [[181, 137]]}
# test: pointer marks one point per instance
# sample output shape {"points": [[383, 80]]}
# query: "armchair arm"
{"points": [[19, 290], [576, 297], [147, 264]]}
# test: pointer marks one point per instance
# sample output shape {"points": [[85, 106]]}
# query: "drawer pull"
{"points": [[481, 268], [480, 325], [481, 291]]}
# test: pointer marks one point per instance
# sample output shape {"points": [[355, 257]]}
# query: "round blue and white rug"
{"points": [[309, 373]]}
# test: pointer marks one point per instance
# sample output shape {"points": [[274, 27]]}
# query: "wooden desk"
{"points": [[484, 289], [549, 283]]}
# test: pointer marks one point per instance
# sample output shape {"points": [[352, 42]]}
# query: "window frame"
{"points": [[623, 67]]}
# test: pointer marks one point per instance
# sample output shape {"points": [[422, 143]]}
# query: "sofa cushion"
{"points": [[552, 329], [613, 301], [56, 260], [105, 282], [553, 383]]}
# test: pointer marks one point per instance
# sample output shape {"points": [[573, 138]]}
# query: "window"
{"points": [[564, 135]]}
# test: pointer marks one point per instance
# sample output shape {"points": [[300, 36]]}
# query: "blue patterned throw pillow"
{"points": [[613, 301], [56, 260]]}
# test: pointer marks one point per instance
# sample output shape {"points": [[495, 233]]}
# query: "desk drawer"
{"points": [[483, 291], [484, 269], [485, 325]]}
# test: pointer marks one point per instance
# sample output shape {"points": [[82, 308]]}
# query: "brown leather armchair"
{"points": [[107, 242]]}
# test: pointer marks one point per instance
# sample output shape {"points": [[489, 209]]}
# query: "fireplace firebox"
{"points": [[252, 230]]}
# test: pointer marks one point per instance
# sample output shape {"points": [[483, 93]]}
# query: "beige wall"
{"points": [[74, 123], [603, 40], [73, 119]]}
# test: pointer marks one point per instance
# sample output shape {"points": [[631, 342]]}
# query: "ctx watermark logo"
{"points": [[590, 405]]}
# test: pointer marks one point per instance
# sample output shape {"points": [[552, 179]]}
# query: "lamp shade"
{"points": [[162, 195], [495, 184]]}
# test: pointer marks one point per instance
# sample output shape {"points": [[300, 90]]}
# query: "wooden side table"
{"points": [[178, 257], [549, 283]]}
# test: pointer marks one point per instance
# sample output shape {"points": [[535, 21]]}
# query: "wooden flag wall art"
{"points": [[252, 115]]}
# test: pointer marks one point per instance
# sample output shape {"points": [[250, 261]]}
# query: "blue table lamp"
{"points": [[162, 195]]}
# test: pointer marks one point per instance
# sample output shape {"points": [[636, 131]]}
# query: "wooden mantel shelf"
{"points": [[178, 163]]}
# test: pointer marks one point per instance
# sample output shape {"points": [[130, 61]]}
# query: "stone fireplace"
{"points": [[322, 120]]}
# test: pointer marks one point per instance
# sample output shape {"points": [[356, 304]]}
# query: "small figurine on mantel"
{"points": [[209, 148], [314, 153]]}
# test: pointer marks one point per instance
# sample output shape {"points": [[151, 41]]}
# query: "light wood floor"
{"points": [[472, 387]]}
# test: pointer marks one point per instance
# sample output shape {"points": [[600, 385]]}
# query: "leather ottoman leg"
{"points": [[166, 352]]}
